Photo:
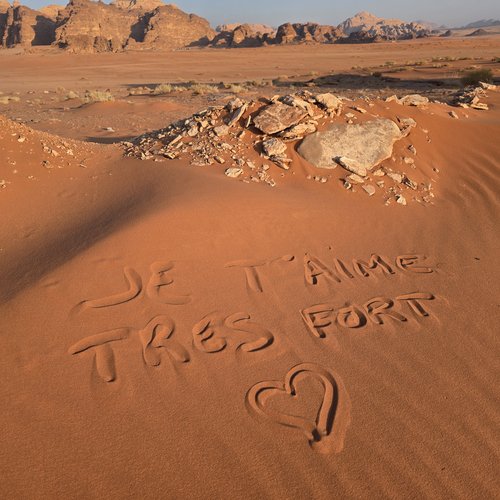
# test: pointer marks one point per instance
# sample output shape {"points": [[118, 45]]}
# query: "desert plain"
{"points": [[190, 308]]}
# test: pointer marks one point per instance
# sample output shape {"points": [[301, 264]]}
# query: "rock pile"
{"points": [[470, 97], [256, 142]]}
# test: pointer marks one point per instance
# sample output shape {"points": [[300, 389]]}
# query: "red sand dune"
{"points": [[168, 332]]}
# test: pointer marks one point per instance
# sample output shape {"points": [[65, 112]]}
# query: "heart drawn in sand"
{"points": [[315, 430]]}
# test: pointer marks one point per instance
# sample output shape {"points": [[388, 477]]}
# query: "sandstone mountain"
{"points": [[170, 27], [51, 11], [243, 35], [146, 5], [89, 26], [22, 26], [479, 32], [306, 33], [363, 21], [94, 26], [484, 23], [86, 26], [257, 29], [366, 27]]}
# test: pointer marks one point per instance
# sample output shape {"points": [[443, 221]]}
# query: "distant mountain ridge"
{"points": [[484, 23], [94, 26]]}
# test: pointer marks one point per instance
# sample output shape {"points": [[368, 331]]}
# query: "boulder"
{"points": [[330, 102], [278, 117], [362, 146], [298, 131], [233, 172], [274, 147], [414, 100]]}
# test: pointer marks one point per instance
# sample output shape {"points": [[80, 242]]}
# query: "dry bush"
{"points": [[98, 96], [203, 88], [235, 88], [6, 99]]}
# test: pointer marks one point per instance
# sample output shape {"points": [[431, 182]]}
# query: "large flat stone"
{"points": [[278, 117], [365, 145]]}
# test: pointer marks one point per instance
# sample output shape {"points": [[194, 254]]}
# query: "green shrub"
{"points": [[480, 75]]}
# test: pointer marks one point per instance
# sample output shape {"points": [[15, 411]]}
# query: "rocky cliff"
{"points": [[306, 33], [170, 27], [94, 26], [365, 27], [243, 35], [89, 26], [25, 27], [86, 26], [257, 29]]}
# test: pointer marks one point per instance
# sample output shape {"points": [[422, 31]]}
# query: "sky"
{"points": [[452, 13]]}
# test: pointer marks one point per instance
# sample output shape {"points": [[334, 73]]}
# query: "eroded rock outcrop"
{"points": [[240, 36], [4, 7], [145, 5], [260, 29], [170, 27], [306, 33], [87, 26], [365, 28], [25, 27]]}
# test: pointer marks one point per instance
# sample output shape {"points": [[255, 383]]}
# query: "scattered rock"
{"points": [[395, 177], [357, 179], [221, 130], [237, 114], [370, 190], [359, 109], [414, 100], [453, 115], [274, 147], [487, 86], [480, 105], [234, 172], [298, 131], [400, 199], [330, 102]]}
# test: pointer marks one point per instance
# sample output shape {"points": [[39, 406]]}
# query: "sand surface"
{"points": [[172, 333]]}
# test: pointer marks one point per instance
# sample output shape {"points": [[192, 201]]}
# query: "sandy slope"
{"points": [[186, 393]]}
